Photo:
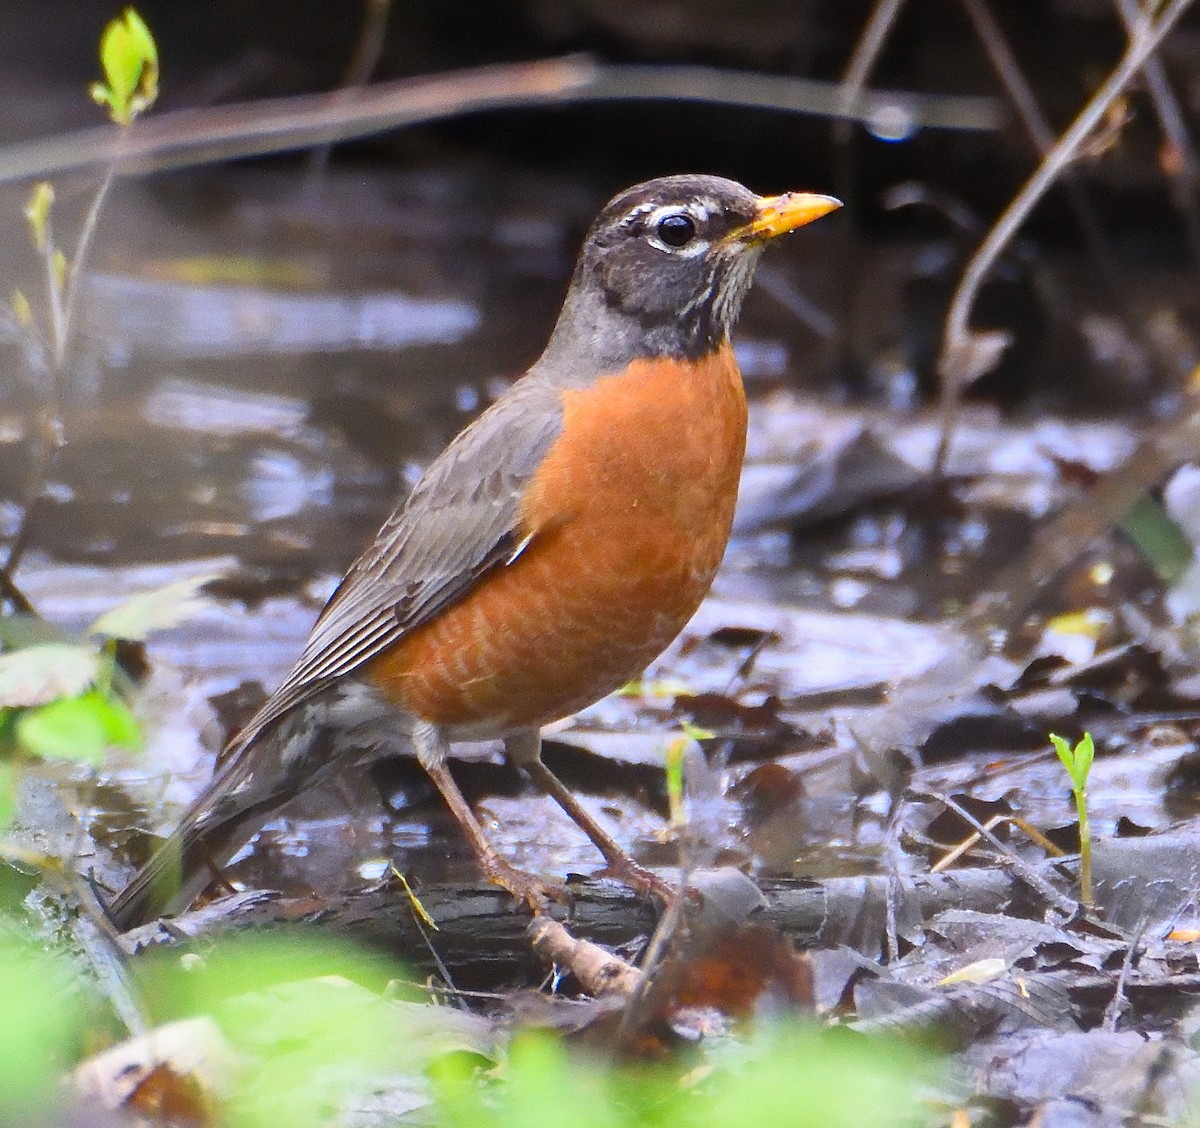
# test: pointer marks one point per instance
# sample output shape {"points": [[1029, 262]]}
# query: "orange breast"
{"points": [[629, 514]]}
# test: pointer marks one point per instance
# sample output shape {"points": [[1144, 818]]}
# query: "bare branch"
{"points": [[1185, 180], [194, 137], [967, 354], [862, 62]]}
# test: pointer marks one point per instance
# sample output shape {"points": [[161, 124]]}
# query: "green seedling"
{"points": [[57, 698], [129, 59], [675, 756], [1078, 762]]}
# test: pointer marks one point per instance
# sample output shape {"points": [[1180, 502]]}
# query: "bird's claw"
{"points": [[534, 892]]}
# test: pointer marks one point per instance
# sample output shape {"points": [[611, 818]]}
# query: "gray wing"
{"points": [[460, 521]]}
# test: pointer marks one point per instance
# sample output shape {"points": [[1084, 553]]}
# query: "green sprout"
{"points": [[1078, 762], [675, 754], [129, 57], [57, 699]]}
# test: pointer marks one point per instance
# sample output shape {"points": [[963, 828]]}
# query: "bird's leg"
{"points": [[432, 751], [525, 750]]}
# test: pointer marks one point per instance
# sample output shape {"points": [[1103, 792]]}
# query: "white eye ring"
{"points": [[693, 247]]}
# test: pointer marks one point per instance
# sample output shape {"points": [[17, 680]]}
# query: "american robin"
{"points": [[550, 552]]}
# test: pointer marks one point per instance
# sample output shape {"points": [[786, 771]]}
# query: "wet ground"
{"points": [[265, 365]]}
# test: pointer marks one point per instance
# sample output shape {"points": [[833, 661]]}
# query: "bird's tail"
{"points": [[243, 795], [278, 753]]}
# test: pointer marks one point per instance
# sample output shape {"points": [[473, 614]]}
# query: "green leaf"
{"points": [[1085, 753], [78, 728], [1077, 760], [153, 610], [675, 756], [22, 310], [306, 1012], [120, 725], [37, 212], [63, 730], [1158, 538], [139, 33], [1063, 748], [129, 58], [121, 60], [44, 1013], [40, 674]]}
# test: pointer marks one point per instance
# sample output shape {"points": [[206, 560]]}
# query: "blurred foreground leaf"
{"points": [[790, 1075], [40, 674], [40, 1031], [153, 610], [78, 728], [317, 1035]]}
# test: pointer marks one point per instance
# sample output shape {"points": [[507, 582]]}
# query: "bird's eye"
{"points": [[676, 230]]}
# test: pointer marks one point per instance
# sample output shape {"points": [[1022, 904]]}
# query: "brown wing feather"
{"points": [[461, 520]]}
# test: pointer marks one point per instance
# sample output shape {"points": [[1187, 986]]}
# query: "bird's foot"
{"points": [[534, 892], [641, 880]]}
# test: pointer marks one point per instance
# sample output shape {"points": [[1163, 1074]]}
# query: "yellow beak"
{"points": [[780, 214]]}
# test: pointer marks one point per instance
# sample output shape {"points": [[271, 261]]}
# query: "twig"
{"points": [[54, 298], [862, 62], [194, 137], [1004, 63], [13, 595], [1175, 131], [598, 970], [640, 1001], [1067, 535], [951, 856], [848, 280], [1047, 891], [419, 918], [358, 73], [1112, 1013], [1042, 138], [82, 248], [948, 859], [63, 296], [1040, 134], [967, 354]]}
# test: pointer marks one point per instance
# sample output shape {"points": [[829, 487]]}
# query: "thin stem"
{"points": [[1085, 848], [1004, 63], [1170, 118], [358, 73], [862, 62], [54, 296], [967, 355], [82, 247], [13, 595], [64, 299], [1042, 137]]}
